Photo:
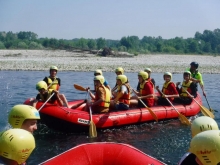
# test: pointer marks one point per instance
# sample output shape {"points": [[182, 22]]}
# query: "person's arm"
{"points": [[172, 88], [121, 93]]}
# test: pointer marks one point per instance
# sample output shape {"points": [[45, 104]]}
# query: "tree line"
{"points": [[207, 42]]}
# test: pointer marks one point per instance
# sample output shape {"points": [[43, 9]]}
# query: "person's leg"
{"points": [[79, 104], [63, 98]]}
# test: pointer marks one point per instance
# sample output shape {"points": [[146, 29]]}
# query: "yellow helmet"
{"points": [[123, 78], [19, 113], [16, 144], [100, 78], [119, 69], [41, 84], [53, 68], [203, 123], [143, 74], [147, 70], [168, 74], [206, 147], [98, 71]]}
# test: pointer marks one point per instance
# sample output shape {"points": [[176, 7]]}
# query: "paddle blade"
{"points": [[184, 120], [153, 114], [78, 87], [92, 129], [206, 112]]}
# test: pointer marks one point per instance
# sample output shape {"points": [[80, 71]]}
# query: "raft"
{"points": [[106, 153], [78, 120]]}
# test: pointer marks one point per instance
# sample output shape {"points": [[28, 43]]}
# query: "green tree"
{"points": [[35, 45], [92, 44], [22, 45], [82, 43], [207, 47], [101, 43], [2, 46]]}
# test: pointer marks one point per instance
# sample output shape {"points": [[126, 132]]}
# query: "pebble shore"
{"points": [[73, 61]]}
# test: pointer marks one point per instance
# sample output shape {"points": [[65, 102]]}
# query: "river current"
{"points": [[165, 140]]}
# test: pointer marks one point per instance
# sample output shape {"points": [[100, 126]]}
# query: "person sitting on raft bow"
{"points": [[169, 90], [146, 93], [54, 83], [45, 93], [187, 85], [101, 100], [121, 98], [148, 70]]}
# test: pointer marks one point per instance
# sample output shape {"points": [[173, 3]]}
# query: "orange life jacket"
{"points": [[126, 96]]}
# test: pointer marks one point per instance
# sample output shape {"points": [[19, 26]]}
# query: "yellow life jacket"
{"points": [[53, 84], [107, 95], [185, 86]]}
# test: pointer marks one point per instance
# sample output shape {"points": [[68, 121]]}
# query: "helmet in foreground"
{"points": [[143, 74], [41, 84], [119, 69], [19, 113], [123, 78], [99, 78], [203, 123], [206, 147], [16, 144], [195, 64]]}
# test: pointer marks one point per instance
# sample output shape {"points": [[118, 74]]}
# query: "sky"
{"points": [[109, 19]]}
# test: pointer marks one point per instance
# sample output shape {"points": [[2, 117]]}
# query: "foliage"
{"points": [[207, 42]]}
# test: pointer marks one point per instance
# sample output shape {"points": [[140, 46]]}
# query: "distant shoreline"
{"points": [[72, 61]]}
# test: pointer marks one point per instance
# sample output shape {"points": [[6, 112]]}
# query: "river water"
{"points": [[165, 140]]}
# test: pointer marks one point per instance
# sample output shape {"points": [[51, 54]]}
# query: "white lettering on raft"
{"points": [[83, 121]]}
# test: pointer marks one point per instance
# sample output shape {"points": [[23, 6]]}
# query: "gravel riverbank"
{"points": [[72, 61]]}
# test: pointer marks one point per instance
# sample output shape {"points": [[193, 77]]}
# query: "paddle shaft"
{"points": [[151, 112], [46, 102], [208, 103], [92, 126]]}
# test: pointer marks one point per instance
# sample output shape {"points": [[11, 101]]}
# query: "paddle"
{"points": [[92, 126], [210, 109], [204, 110], [46, 102], [151, 112], [182, 118], [78, 87]]}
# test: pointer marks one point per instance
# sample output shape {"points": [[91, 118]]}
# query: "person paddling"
{"points": [[121, 98], [148, 70], [99, 72], [45, 93], [101, 100], [169, 90], [187, 85], [196, 76], [146, 93]]}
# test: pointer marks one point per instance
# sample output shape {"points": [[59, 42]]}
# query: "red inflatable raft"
{"points": [[103, 154], [77, 120]]}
